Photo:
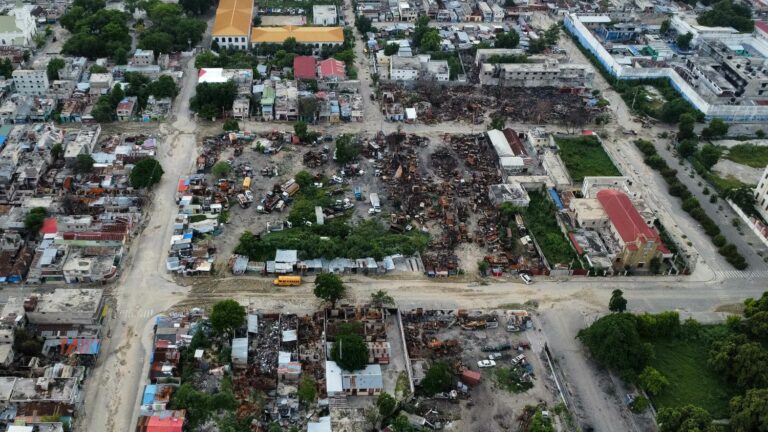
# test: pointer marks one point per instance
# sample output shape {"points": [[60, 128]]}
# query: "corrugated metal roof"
{"points": [[301, 34], [233, 18]]}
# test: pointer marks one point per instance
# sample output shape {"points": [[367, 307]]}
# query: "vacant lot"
{"points": [[749, 155], [684, 363], [585, 156], [540, 220]]}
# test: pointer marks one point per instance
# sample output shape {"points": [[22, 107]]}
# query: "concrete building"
{"points": [[437, 70], [511, 192], [232, 25], [126, 109], [324, 15], [639, 243], [362, 382], [31, 82], [18, 27], [761, 195], [84, 143], [549, 73], [404, 68], [101, 83], [485, 11], [589, 213], [315, 36], [143, 58], [241, 108], [66, 306]]}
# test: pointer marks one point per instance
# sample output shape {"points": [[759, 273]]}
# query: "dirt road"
{"points": [[111, 394]]}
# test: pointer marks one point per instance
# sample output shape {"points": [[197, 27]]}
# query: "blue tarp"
{"points": [[149, 394], [556, 199]]}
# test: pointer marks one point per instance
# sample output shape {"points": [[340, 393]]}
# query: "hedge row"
{"points": [[690, 204]]}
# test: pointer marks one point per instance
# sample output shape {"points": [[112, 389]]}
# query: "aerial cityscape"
{"points": [[370, 215]]}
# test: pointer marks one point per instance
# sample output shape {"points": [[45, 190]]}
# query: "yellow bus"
{"points": [[287, 281], [247, 183]]}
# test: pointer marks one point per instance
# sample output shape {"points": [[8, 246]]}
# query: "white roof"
{"points": [[410, 113], [14, 428], [323, 424], [598, 19], [333, 377], [211, 75]]}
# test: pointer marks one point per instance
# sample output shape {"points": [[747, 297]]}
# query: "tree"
{"points": [[304, 179], [307, 389], [431, 40], [726, 13], [401, 424], [552, 34], [212, 98], [227, 316], [33, 221], [437, 379], [687, 148], [760, 133], [497, 122], [710, 154], [350, 352], [509, 39], [391, 49], [6, 68], [685, 127], [363, 24], [146, 173], [655, 265], [386, 404], [57, 151], [420, 29], [689, 418], [750, 412], [539, 423], [665, 26], [617, 303], [752, 306], [684, 41], [381, 298], [716, 128], [614, 342], [231, 125], [84, 164], [95, 68], [163, 87], [329, 287], [121, 56], [653, 381], [256, 21], [53, 68], [156, 40], [346, 151], [221, 169], [741, 360], [300, 129], [196, 7]]}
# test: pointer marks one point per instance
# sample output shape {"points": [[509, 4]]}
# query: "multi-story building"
{"points": [[761, 195], [638, 242], [324, 15], [404, 68], [232, 26], [126, 109], [31, 82], [548, 73], [18, 27], [317, 37], [143, 57]]}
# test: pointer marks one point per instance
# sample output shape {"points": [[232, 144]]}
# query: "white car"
{"points": [[494, 356], [486, 363], [527, 279]]}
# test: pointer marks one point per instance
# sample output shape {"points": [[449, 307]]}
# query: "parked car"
{"points": [[486, 363], [517, 360], [494, 356], [526, 278]]}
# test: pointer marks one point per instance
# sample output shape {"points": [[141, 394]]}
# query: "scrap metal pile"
{"points": [[436, 104], [451, 189], [311, 348]]}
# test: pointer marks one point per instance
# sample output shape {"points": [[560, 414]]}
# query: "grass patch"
{"points": [[541, 222], [748, 154], [197, 218], [726, 183], [684, 363], [585, 156], [510, 379]]}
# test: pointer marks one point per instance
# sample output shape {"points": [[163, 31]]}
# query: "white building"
{"points": [[68, 306], [18, 27], [324, 15], [31, 82], [404, 68], [548, 73], [761, 194], [438, 70], [143, 58]]}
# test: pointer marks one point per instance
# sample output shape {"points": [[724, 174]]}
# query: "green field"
{"points": [[541, 222], [684, 363], [584, 156], [749, 155], [726, 183]]}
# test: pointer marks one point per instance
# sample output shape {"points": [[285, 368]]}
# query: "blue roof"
{"points": [[556, 199], [149, 394]]}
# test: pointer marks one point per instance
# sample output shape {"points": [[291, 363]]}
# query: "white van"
{"points": [[527, 279]]}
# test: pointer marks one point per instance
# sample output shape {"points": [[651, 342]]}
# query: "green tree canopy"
{"points": [[33, 221], [726, 13], [689, 418], [716, 128], [386, 404], [391, 49], [749, 413], [683, 41], [710, 154], [617, 303], [227, 316], [614, 342], [213, 98], [539, 423], [346, 150], [350, 352], [84, 164], [509, 39], [329, 287], [437, 379], [685, 127], [6, 68], [381, 298], [431, 40], [653, 381], [221, 169], [146, 173], [307, 389], [230, 125], [53, 68]]}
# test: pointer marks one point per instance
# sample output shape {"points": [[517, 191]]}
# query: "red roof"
{"points": [[332, 68], [625, 218], [514, 143], [762, 26], [166, 424], [304, 67], [49, 226]]}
